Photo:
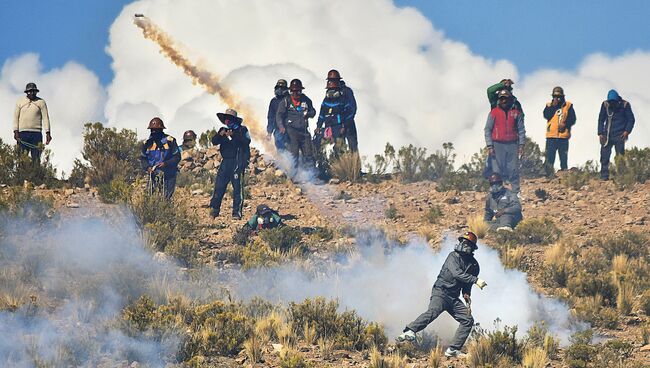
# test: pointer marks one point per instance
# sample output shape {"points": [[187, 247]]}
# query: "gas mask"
{"points": [[496, 188], [465, 246], [332, 93], [280, 91]]}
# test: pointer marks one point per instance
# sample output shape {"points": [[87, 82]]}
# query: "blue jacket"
{"points": [[335, 112], [161, 148], [622, 119], [351, 101], [271, 126]]}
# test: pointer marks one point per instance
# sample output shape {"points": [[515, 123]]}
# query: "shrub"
{"points": [[480, 353], [532, 160], [202, 180], [580, 352], [631, 243], [434, 214], [558, 264], [391, 212], [512, 257], [576, 178], [531, 231], [253, 347], [16, 167], [78, 175], [625, 298], [281, 239], [591, 309], [468, 177], [631, 168], [117, 190], [435, 357], [205, 139], [111, 154], [534, 358], [382, 164], [25, 204], [645, 303], [291, 358], [347, 167], [374, 336], [413, 164]]}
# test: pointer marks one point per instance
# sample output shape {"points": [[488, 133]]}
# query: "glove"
{"points": [[520, 151], [481, 284], [16, 136], [491, 152], [48, 138], [602, 139], [625, 135]]}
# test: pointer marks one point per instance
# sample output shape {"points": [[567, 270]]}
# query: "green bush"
{"points": [[16, 167], [383, 163], [25, 204], [631, 168], [117, 190], [413, 164], [434, 214], [580, 353], [205, 139], [631, 243], [202, 180], [78, 175], [468, 177], [579, 177], [111, 154], [391, 212], [532, 161], [531, 231], [281, 239]]}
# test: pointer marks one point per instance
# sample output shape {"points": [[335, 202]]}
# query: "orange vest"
{"points": [[552, 126]]}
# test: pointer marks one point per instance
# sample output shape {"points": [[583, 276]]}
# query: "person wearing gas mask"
{"points": [[264, 218], [280, 139], [234, 145], [560, 118], [159, 158], [502, 207], [189, 140], [458, 274], [350, 132], [615, 123], [505, 135], [292, 118]]}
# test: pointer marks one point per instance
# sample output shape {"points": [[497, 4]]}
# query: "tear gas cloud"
{"points": [[87, 270]]}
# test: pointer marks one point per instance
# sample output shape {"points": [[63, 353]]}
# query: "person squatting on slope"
{"points": [[160, 157], [30, 119], [493, 93], [615, 123], [502, 207], [505, 135], [350, 131], [280, 139], [560, 117], [292, 118], [264, 218], [458, 274], [234, 145]]}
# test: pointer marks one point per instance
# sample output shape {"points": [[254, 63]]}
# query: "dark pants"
{"points": [[606, 152], [300, 144], [559, 145], [506, 163], [229, 172], [351, 136], [438, 303], [505, 220], [162, 182], [281, 140], [33, 139]]}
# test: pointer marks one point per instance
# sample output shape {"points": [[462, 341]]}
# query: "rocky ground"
{"points": [[597, 210]]}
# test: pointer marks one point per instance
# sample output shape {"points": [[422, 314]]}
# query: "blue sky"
{"points": [[532, 34]]}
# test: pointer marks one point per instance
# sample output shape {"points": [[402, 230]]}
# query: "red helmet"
{"points": [[469, 236], [296, 85]]}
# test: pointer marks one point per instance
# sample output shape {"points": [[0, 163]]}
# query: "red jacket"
{"points": [[505, 126]]}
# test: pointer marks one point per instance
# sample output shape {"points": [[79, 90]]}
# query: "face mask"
{"points": [[280, 92], [333, 93], [496, 188]]}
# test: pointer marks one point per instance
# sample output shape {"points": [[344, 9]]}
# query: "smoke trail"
{"points": [[211, 82]]}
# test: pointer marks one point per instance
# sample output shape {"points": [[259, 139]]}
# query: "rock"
{"points": [[334, 181], [186, 156], [197, 169], [72, 205], [42, 186], [209, 165], [197, 192], [87, 187], [161, 257], [278, 173], [298, 191], [211, 152], [277, 347], [68, 192], [645, 347]]}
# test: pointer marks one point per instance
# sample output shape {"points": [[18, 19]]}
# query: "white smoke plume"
{"points": [[391, 284], [73, 95]]}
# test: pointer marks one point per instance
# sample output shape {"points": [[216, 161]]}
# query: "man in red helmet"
{"points": [[292, 118], [458, 274], [160, 157]]}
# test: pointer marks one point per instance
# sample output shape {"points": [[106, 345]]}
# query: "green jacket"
{"points": [[272, 221], [494, 99]]}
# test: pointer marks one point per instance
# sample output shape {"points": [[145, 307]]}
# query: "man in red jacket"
{"points": [[504, 136]]}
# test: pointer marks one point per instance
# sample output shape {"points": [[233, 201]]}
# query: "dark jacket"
{"points": [[161, 148], [292, 116], [271, 126], [622, 119], [506, 201], [236, 147], [458, 273], [270, 221], [335, 111], [351, 102]]}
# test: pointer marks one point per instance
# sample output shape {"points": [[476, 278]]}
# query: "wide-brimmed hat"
{"points": [[31, 87], [230, 114]]}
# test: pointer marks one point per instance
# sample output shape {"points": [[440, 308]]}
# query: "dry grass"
{"points": [[326, 347], [287, 335], [435, 357], [376, 359], [558, 263], [480, 353], [551, 346], [512, 257], [478, 226], [268, 328], [347, 167], [620, 268], [625, 298], [253, 348], [534, 358], [309, 333]]}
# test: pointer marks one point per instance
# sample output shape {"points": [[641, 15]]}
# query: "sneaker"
{"points": [[451, 353], [407, 335], [504, 228]]}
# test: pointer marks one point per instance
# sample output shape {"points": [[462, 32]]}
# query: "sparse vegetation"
{"points": [[16, 168], [433, 214], [631, 168], [347, 167], [478, 226], [391, 212], [577, 178], [531, 231]]}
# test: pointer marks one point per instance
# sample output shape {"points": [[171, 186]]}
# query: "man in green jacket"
{"points": [[493, 93]]}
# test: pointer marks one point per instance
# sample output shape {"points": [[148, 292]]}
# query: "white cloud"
{"points": [[73, 95]]}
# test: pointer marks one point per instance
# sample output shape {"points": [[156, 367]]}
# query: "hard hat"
{"points": [[156, 123], [262, 209], [31, 87], [189, 136], [495, 178], [333, 74], [281, 83], [296, 85], [557, 91], [333, 84], [469, 236]]}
